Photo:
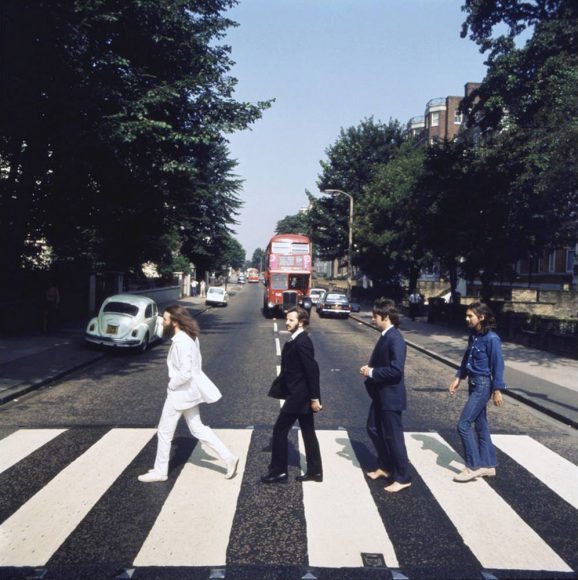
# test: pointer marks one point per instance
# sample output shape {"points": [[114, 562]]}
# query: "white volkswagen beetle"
{"points": [[126, 321]]}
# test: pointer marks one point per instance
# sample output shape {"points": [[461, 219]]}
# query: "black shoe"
{"points": [[274, 478], [318, 477]]}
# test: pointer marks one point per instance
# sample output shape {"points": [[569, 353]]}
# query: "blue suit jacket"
{"points": [[387, 387]]}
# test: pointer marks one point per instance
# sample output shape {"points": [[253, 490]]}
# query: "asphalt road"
{"points": [[280, 531]]}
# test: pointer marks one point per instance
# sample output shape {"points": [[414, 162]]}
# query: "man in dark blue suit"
{"points": [[386, 387], [299, 383]]}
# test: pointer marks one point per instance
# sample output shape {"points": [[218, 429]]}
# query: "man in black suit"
{"points": [[386, 387], [299, 381]]}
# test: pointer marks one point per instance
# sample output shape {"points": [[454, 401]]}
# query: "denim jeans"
{"points": [[479, 450]]}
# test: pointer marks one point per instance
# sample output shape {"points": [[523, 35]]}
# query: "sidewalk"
{"points": [[27, 363], [540, 379]]}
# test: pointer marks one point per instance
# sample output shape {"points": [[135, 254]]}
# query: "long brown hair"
{"points": [[182, 317]]}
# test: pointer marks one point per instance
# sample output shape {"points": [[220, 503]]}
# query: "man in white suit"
{"points": [[188, 387]]}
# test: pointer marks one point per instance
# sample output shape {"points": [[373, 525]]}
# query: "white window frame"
{"points": [[435, 119], [458, 118]]}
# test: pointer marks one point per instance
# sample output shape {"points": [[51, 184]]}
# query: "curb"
{"points": [[517, 396], [24, 388]]}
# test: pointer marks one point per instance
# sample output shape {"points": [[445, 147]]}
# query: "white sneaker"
{"points": [[488, 471], [468, 474], [232, 467], [152, 477]]}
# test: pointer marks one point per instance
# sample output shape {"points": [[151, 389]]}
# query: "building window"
{"points": [[570, 260], [551, 261], [458, 118], [435, 119]]}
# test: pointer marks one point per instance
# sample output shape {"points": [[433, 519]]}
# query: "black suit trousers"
{"points": [[385, 429], [280, 452]]}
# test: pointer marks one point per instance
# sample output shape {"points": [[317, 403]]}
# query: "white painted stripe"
{"points": [[557, 473], [495, 534], [341, 515], [194, 525], [275, 327], [278, 367], [277, 347], [33, 534], [22, 443]]}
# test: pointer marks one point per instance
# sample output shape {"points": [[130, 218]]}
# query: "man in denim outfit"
{"points": [[483, 365]]}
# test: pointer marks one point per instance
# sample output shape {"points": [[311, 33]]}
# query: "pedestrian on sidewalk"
{"points": [[203, 286], [386, 387], [51, 306], [188, 387], [298, 384], [483, 365], [194, 287], [414, 304]]}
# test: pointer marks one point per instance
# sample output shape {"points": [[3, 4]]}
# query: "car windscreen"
{"points": [[216, 291], [121, 308], [337, 298]]}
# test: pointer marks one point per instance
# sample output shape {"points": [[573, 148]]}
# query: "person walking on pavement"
{"points": [[203, 287], [386, 387], [188, 387], [299, 382], [483, 365], [414, 304]]}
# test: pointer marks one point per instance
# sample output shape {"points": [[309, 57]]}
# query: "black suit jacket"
{"points": [[299, 375], [387, 386]]}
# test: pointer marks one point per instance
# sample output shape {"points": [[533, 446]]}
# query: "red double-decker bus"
{"points": [[287, 273], [252, 275]]}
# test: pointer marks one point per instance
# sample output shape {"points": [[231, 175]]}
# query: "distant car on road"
{"points": [[217, 296], [241, 279], [315, 294], [334, 304], [125, 321]]}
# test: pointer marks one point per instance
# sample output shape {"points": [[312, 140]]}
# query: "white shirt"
{"points": [[183, 361]]}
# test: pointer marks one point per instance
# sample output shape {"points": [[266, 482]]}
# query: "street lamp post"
{"points": [[350, 241]]}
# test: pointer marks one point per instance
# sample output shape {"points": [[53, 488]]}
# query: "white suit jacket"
{"points": [[188, 384]]}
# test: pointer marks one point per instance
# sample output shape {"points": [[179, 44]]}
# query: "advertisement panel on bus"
{"points": [[287, 274]]}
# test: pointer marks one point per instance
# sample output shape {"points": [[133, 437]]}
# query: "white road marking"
{"points": [[557, 473], [194, 525], [275, 327], [496, 535], [277, 347], [21, 443], [341, 515], [33, 534]]}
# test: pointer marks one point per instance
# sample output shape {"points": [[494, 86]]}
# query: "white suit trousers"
{"points": [[167, 426]]}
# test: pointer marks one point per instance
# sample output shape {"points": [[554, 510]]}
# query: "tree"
{"points": [[350, 166], [258, 259], [388, 222], [114, 117], [527, 110], [293, 224]]}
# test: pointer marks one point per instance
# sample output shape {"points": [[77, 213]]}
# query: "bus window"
{"points": [[278, 281]]}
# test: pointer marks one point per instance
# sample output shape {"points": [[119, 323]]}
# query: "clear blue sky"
{"points": [[329, 64]]}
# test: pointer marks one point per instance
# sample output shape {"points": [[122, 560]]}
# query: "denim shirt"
{"points": [[483, 357]]}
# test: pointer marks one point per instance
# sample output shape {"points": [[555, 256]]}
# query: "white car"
{"points": [[217, 296], [125, 321], [315, 294]]}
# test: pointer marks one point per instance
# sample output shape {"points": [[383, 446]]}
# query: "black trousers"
{"points": [[280, 452], [385, 429]]}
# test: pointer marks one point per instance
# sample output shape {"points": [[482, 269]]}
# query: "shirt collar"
{"points": [[296, 333], [386, 330]]}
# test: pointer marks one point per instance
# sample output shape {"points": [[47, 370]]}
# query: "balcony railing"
{"points": [[435, 102]]}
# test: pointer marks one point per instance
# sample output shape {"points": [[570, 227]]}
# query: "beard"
{"points": [[168, 331]]}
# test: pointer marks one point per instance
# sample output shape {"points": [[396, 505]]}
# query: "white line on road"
{"points": [[277, 347], [557, 473], [342, 518], [497, 536], [33, 533], [194, 525], [275, 327], [21, 443]]}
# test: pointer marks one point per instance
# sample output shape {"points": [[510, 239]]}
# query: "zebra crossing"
{"points": [[192, 520]]}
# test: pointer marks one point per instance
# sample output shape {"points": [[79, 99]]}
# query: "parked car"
{"points": [[217, 296], [334, 304], [241, 279], [125, 321], [315, 294]]}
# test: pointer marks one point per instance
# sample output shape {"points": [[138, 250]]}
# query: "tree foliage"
{"points": [[114, 117], [293, 224]]}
